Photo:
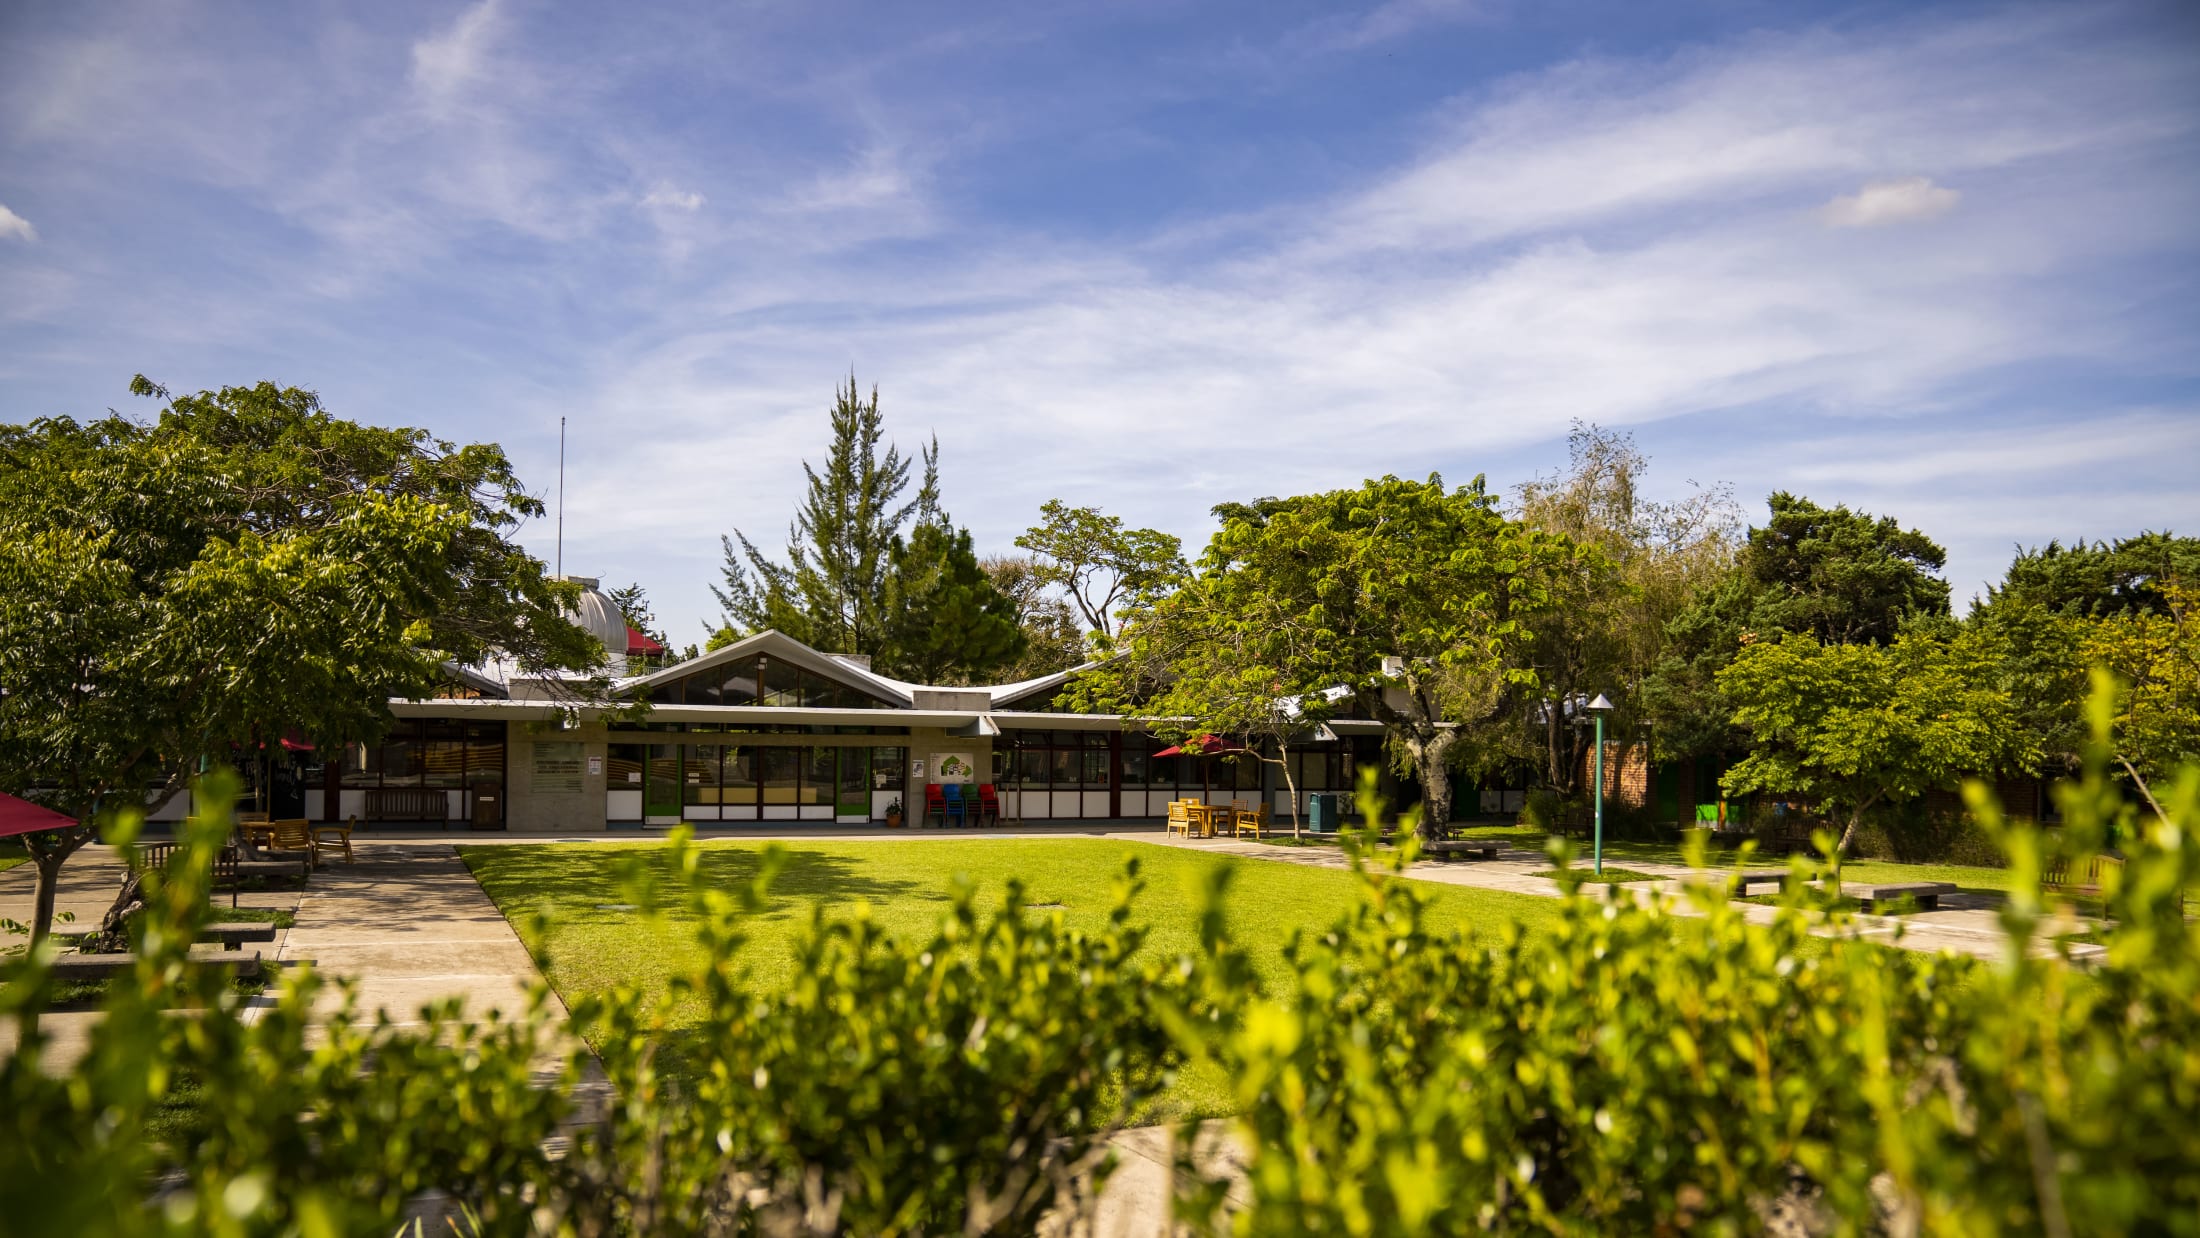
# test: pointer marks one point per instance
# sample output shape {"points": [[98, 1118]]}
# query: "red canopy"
{"points": [[1200, 746], [23, 817], [639, 643]]}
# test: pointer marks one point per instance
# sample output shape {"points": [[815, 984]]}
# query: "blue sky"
{"points": [[1938, 262]]}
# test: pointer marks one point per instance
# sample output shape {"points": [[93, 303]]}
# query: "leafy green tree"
{"points": [[1608, 626], [245, 565], [1838, 576], [1053, 638], [830, 590], [946, 623], [1102, 565], [1853, 727], [1318, 593], [2095, 579]]}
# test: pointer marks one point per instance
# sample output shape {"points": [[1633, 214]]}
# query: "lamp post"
{"points": [[1600, 707]]}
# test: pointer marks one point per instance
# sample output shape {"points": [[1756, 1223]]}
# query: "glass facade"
{"points": [[763, 681], [431, 753]]}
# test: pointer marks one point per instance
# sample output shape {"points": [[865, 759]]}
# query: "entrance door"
{"points": [[661, 785], [852, 799]]}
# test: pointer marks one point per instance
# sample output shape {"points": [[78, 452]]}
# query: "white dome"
{"points": [[598, 616]]}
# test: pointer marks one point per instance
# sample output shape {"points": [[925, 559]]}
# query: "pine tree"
{"points": [[830, 591], [948, 623]]}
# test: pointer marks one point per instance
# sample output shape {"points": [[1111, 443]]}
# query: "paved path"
{"points": [[409, 924], [1964, 924]]}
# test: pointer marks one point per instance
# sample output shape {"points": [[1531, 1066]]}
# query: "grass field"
{"points": [[594, 942]]}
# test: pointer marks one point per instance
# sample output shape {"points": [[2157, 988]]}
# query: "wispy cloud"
{"points": [[15, 226], [1879, 203]]}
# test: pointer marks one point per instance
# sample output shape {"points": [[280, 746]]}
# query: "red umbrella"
{"points": [[1202, 746], [23, 817]]}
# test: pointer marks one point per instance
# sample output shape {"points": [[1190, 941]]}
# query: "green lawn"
{"points": [[595, 942]]}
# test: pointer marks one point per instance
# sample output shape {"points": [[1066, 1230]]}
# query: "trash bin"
{"points": [[1322, 811]]}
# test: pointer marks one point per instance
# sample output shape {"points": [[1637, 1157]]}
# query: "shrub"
{"points": [[1642, 1071], [1542, 808]]}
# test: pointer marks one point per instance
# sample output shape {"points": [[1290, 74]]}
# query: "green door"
{"points": [[854, 796], [661, 785]]}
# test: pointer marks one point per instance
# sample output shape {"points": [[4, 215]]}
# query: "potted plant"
{"points": [[893, 815]]}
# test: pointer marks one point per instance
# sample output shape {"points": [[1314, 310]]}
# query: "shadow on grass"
{"points": [[559, 880]]}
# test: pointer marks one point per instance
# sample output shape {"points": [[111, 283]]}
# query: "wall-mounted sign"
{"points": [[557, 769], [595, 767], [953, 767]]}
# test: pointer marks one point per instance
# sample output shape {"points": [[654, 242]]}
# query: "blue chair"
{"points": [[952, 798]]}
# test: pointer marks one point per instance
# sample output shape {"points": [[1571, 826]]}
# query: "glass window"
{"points": [[1063, 767], [699, 774], [1031, 767], [443, 763], [889, 768], [1096, 768], [1164, 772], [782, 684], [1248, 773], [737, 682], [702, 690], [623, 767], [819, 776], [400, 761], [1134, 769], [737, 776], [1095, 739], [780, 773], [362, 765]]}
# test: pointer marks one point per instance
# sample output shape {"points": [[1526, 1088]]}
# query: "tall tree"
{"points": [[1839, 576], [1413, 598], [945, 622], [1053, 638], [1609, 625], [245, 565], [1854, 727], [1102, 565], [2096, 579], [829, 591]]}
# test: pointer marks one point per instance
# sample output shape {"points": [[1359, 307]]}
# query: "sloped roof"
{"points": [[845, 670]]}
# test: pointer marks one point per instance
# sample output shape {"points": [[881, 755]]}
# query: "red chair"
{"points": [[989, 804], [935, 802]]}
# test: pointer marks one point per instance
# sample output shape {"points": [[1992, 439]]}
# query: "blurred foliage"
{"points": [[1643, 1068]]}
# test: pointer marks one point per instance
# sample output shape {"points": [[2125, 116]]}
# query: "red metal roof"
{"points": [[638, 643]]}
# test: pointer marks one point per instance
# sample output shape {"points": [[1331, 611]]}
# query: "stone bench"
{"points": [[233, 935], [1459, 849], [1873, 893], [1749, 877], [108, 966]]}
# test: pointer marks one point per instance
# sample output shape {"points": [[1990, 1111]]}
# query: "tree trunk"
{"points": [[1290, 787], [1848, 833], [49, 877], [1428, 765]]}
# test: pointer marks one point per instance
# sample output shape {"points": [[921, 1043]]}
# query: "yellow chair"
{"points": [[1180, 817]]}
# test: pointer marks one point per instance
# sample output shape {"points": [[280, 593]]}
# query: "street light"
{"points": [[1600, 707]]}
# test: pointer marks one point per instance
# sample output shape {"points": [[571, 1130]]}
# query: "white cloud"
{"points": [[1890, 202], [14, 225], [446, 63], [672, 198]]}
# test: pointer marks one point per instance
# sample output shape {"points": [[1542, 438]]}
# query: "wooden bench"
{"points": [[108, 966], [2090, 881], [1873, 894], [154, 856], [233, 935], [1460, 849], [407, 804]]}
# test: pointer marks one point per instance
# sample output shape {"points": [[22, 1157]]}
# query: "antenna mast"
{"points": [[561, 497]]}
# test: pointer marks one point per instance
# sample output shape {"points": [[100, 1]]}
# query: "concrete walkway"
{"points": [[408, 924], [1963, 924]]}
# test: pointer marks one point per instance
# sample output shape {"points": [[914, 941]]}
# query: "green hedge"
{"points": [[1640, 1068]]}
